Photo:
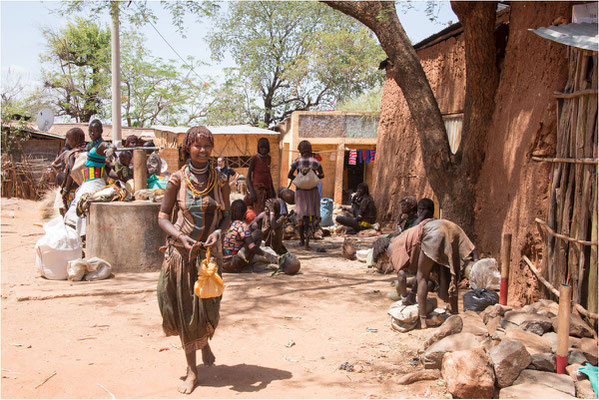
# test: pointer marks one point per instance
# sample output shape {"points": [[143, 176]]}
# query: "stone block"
{"points": [[589, 349], [576, 357], [572, 371], [496, 310], [509, 358], [543, 362], [532, 391], [584, 390], [433, 356], [473, 323], [578, 327], [469, 374], [561, 382], [527, 321], [451, 326], [534, 343]]}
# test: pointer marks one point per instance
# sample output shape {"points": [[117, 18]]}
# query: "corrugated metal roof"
{"points": [[220, 130], [583, 35], [61, 130]]}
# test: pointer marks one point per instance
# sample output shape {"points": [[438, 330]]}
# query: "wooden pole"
{"points": [[140, 170], [563, 329], [506, 250]]}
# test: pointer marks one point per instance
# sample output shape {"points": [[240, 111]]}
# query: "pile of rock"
{"points": [[510, 353]]}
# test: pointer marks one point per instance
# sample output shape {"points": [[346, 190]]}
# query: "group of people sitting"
{"points": [[76, 176]]}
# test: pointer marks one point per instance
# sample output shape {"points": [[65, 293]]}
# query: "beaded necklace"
{"points": [[194, 186], [93, 144]]}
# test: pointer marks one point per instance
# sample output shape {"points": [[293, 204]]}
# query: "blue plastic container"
{"points": [[326, 212]]}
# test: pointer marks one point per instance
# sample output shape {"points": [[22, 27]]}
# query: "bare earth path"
{"points": [[279, 337]]}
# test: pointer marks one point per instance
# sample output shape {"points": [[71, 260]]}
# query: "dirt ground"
{"points": [[278, 337]]}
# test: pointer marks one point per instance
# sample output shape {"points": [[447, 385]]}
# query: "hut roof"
{"points": [[62, 128], [220, 130]]}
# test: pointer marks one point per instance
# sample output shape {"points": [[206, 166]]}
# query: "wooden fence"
{"points": [[570, 231]]}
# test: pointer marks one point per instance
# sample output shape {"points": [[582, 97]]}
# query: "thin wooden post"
{"points": [[506, 250], [563, 329], [140, 170]]}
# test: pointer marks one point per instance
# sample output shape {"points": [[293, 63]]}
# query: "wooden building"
{"points": [[333, 134], [237, 144]]}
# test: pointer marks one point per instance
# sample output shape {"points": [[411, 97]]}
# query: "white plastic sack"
{"points": [[404, 313], [76, 269], [56, 248], [91, 269], [97, 269], [485, 274]]}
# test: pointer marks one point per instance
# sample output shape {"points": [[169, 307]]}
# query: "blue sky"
{"points": [[22, 41]]}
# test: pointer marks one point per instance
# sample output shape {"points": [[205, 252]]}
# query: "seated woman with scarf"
{"points": [[363, 211]]}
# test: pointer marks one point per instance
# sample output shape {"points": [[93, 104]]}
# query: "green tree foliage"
{"points": [[155, 91], [76, 69], [232, 104], [78, 78], [296, 55], [366, 102]]}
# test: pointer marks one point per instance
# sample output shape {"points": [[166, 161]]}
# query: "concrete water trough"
{"points": [[126, 234]]}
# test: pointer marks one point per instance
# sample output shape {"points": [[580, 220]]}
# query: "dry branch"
{"points": [[563, 237], [588, 161], [553, 290]]}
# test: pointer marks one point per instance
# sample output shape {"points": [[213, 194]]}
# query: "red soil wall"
{"points": [[512, 189]]}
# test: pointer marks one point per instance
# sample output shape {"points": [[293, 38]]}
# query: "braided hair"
{"points": [[193, 134]]}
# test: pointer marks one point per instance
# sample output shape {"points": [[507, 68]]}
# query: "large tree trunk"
{"points": [[452, 177]]}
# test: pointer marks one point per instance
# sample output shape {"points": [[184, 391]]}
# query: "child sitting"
{"points": [[240, 244], [121, 167]]}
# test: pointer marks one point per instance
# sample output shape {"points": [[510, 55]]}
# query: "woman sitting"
{"points": [[363, 212]]}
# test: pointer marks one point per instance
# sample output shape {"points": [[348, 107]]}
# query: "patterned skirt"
{"points": [[184, 314]]}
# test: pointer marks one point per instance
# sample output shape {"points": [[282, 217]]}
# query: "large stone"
{"points": [[589, 349], [473, 323], [584, 390], [572, 370], [509, 358], [527, 321], [532, 391], [578, 327], [561, 382], [534, 343], [496, 310], [469, 374], [551, 339], [576, 357], [543, 362], [492, 324], [544, 307], [451, 326], [433, 356]]}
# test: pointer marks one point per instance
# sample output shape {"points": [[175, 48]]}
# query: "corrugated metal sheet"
{"points": [[583, 35], [453, 127], [220, 130]]}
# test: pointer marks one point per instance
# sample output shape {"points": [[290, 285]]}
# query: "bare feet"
{"points": [[190, 382], [208, 356]]}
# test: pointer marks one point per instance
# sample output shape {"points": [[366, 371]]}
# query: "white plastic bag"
{"points": [[91, 269], [76, 269], [484, 274], [362, 255], [97, 269], [56, 248]]}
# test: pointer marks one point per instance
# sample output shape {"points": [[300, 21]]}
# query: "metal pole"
{"points": [[116, 74]]}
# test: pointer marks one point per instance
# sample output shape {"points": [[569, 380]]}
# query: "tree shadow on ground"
{"points": [[241, 377]]}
